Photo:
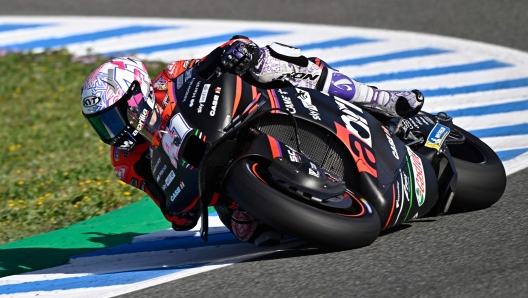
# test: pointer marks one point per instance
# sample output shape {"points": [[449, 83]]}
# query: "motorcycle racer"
{"points": [[121, 90]]}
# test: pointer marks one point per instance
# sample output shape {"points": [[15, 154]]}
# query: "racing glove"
{"points": [[240, 56]]}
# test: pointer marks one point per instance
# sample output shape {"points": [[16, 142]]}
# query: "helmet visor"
{"points": [[108, 124]]}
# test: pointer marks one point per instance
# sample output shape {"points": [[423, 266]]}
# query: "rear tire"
{"points": [[296, 218], [481, 174]]}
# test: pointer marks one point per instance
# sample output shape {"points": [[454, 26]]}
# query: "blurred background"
{"points": [[492, 21], [53, 169]]}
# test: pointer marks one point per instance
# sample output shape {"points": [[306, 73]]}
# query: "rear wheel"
{"points": [[481, 174], [348, 228]]}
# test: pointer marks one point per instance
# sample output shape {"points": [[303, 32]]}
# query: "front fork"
{"points": [[447, 184], [435, 150]]}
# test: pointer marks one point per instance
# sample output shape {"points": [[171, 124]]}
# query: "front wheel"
{"points": [[343, 230], [481, 174]]}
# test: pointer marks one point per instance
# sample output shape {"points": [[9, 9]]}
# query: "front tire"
{"points": [[481, 174], [296, 218]]}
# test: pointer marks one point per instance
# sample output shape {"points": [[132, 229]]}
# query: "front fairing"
{"points": [[400, 183]]}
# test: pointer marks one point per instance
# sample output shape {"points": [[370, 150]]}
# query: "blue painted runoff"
{"points": [[12, 27], [507, 107], [93, 36], [340, 42], [97, 280], [511, 154], [509, 130], [506, 84], [436, 71], [389, 56], [216, 39]]}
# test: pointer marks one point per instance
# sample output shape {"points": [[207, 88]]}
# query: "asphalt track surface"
{"points": [[478, 254]]}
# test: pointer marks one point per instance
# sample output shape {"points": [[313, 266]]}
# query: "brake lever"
{"points": [[217, 73]]}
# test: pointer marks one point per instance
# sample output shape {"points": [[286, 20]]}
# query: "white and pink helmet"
{"points": [[118, 101]]}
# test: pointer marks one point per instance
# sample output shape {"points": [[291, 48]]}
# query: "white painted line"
{"points": [[493, 120], [516, 164], [507, 142], [457, 80], [97, 269], [426, 62], [477, 99]]}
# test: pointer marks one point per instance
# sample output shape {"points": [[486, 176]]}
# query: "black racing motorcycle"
{"points": [[315, 166]]}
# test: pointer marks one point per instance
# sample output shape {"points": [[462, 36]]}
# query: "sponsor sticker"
{"points": [[298, 76], [116, 153], [391, 143], [177, 191], [203, 97], [179, 81], [156, 165], [91, 101], [187, 90], [172, 69], [287, 101], [165, 101], [437, 136], [215, 101], [175, 133], [161, 172], [188, 75], [205, 90], [127, 144], [355, 123], [294, 156], [306, 100], [312, 170], [141, 121], [168, 180], [407, 124], [121, 172], [427, 120], [414, 123], [419, 176], [191, 103], [161, 84]]}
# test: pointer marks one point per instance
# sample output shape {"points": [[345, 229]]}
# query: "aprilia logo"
{"points": [[141, 122]]}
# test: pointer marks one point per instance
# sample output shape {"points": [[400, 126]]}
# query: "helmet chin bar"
{"points": [[127, 140]]}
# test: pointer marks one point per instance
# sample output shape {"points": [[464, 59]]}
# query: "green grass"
{"points": [[54, 171]]}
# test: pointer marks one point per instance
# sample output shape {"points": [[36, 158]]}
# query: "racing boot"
{"points": [[388, 103]]}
